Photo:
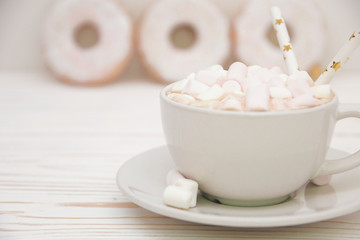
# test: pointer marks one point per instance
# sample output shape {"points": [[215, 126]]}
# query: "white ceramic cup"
{"points": [[252, 158]]}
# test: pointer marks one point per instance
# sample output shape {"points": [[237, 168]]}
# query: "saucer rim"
{"points": [[229, 221]]}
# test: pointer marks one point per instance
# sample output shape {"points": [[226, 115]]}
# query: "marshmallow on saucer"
{"points": [[178, 197], [180, 192], [257, 98], [181, 98], [237, 71], [194, 87], [212, 93], [320, 181], [322, 91], [173, 176], [191, 186]]}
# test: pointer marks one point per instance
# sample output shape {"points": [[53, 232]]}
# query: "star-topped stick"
{"points": [[284, 40], [340, 59]]}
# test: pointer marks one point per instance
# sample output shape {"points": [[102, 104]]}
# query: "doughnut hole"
{"points": [[86, 35], [183, 36], [271, 35]]}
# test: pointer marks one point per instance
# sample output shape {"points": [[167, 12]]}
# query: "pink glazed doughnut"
{"points": [[98, 64], [256, 43], [168, 63]]}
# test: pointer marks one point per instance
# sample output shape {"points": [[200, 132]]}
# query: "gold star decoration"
{"points": [[352, 36], [336, 65], [325, 70], [284, 57], [287, 48], [278, 21]]}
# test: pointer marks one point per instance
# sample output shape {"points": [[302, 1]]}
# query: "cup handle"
{"points": [[342, 164]]}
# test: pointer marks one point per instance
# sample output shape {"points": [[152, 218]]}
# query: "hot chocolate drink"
{"points": [[249, 88]]}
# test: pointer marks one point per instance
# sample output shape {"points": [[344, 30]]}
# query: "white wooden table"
{"points": [[61, 146]]}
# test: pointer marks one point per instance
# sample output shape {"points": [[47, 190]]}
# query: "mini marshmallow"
{"points": [[303, 101], [231, 86], [214, 92], [257, 98], [321, 181], [322, 91], [276, 70], [278, 104], [173, 176], [276, 81], [211, 104], [209, 77], [284, 77], [253, 69], [191, 186], [298, 87], [231, 103], [239, 93], [253, 80], [216, 67], [302, 75], [194, 87], [221, 80], [181, 98], [179, 85], [237, 71], [264, 74], [178, 197], [279, 92]]}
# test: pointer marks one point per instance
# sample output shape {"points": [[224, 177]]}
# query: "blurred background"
{"points": [[21, 25]]}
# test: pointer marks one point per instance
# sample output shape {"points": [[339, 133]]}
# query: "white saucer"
{"points": [[142, 179]]}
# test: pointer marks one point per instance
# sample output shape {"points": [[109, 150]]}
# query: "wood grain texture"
{"points": [[60, 149]]}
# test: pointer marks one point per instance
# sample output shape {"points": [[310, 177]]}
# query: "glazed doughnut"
{"points": [[169, 63], [252, 33], [87, 65]]}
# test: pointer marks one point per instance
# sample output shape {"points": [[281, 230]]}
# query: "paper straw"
{"points": [[340, 59], [284, 40]]}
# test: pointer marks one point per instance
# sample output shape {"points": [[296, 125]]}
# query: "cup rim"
{"points": [[164, 98]]}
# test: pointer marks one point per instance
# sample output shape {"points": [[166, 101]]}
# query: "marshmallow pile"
{"points": [[249, 88], [180, 192]]}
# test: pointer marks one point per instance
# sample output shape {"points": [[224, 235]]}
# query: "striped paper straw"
{"points": [[284, 40], [340, 59]]}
